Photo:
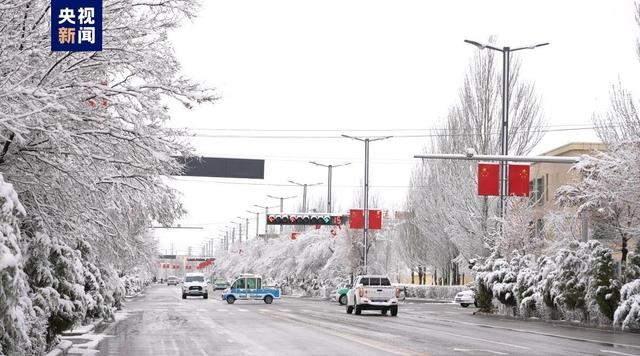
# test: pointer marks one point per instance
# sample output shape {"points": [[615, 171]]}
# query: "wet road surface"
{"points": [[161, 323]]}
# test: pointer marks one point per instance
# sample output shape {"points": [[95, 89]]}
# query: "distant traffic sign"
{"points": [[305, 219]]}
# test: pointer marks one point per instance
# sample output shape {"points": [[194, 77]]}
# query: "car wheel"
{"points": [[358, 310], [343, 299], [349, 309], [394, 310], [205, 296], [231, 299], [464, 305], [268, 299], [384, 311], [184, 296]]}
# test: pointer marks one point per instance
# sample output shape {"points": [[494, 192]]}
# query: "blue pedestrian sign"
{"points": [[76, 25]]}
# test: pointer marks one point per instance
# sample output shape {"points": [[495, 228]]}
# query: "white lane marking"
{"points": [[480, 350], [540, 333], [264, 310], [242, 310], [230, 340], [222, 310], [616, 353], [201, 310], [285, 310], [485, 340]]}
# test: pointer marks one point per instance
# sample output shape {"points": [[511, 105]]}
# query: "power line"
{"points": [[342, 130], [337, 136], [181, 179]]}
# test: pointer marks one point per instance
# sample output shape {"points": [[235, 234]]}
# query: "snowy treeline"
{"points": [[315, 263], [83, 144]]}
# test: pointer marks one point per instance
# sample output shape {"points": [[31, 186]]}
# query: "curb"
{"points": [[61, 349], [423, 300], [83, 329], [569, 323]]}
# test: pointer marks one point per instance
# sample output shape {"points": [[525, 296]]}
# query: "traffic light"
{"points": [[304, 219]]}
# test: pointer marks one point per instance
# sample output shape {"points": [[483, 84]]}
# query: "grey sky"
{"points": [[375, 65]]}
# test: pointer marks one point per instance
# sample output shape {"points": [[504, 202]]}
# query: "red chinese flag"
{"points": [[375, 219], [294, 235], [519, 180], [489, 179], [356, 219]]}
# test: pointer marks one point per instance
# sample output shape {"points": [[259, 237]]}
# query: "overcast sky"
{"points": [[391, 67]]}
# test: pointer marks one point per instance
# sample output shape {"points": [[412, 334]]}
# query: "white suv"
{"points": [[195, 284]]}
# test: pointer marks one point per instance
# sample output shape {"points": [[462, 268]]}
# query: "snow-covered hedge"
{"points": [[578, 283], [446, 293]]}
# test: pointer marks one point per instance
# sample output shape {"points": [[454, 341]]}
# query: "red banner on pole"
{"points": [[489, 179], [519, 180], [375, 219], [294, 235], [356, 219]]}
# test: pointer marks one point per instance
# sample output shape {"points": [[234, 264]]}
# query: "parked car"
{"points": [[465, 298], [340, 294], [249, 287], [220, 283], [172, 281], [195, 285], [373, 292]]}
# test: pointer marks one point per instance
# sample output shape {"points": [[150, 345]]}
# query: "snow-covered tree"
{"points": [[84, 141], [609, 192], [15, 306]]}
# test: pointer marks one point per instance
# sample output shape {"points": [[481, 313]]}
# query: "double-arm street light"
{"points": [[246, 230], [281, 204], [504, 129], [239, 230], [304, 193], [365, 210], [266, 213], [257, 220], [330, 167]]}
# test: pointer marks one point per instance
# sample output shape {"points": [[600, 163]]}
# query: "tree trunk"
{"points": [[412, 281], [434, 280], [623, 258]]}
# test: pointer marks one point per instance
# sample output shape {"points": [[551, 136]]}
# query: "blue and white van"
{"points": [[249, 287]]}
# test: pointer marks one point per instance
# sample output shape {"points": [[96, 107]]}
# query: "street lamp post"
{"points": [[239, 230], [304, 193], [504, 128], [246, 230], [330, 167], [365, 210], [281, 204], [257, 220], [266, 213]]}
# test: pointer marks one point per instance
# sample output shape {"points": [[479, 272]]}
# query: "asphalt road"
{"points": [[161, 323]]}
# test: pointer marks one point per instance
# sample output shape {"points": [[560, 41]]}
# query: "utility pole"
{"points": [[504, 128], [330, 168], [304, 193], [365, 209]]}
